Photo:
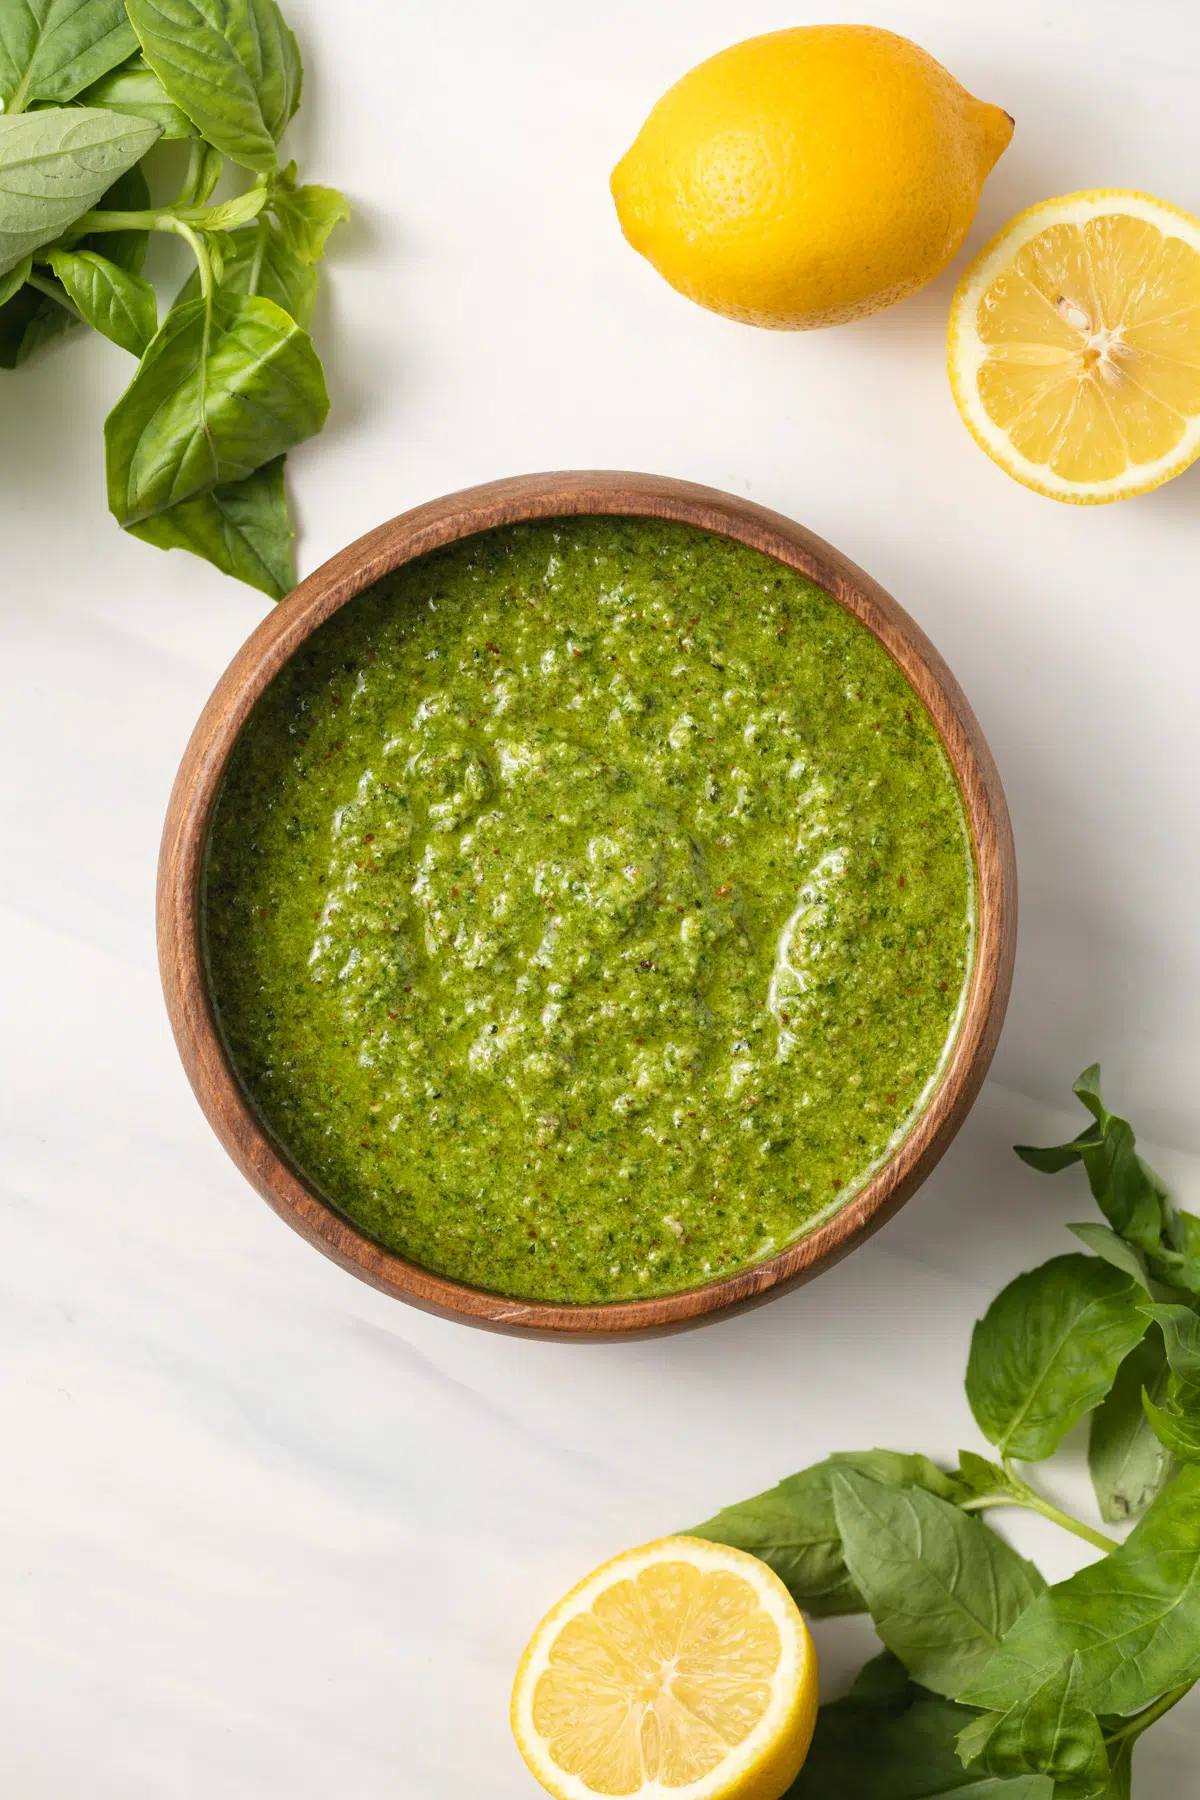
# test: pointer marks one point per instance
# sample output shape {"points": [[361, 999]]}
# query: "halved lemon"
{"points": [[681, 1669], [1075, 345]]}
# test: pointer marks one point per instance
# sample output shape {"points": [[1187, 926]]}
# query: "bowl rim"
{"points": [[565, 494]]}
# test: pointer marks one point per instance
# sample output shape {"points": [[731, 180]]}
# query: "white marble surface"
{"points": [[262, 1531]]}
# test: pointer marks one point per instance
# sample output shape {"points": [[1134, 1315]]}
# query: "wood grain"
{"points": [[425, 528]]}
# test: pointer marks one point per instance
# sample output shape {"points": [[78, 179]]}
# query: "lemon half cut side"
{"points": [[682, 1669], [1074, 345]]}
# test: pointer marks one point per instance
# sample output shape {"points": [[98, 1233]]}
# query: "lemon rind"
{"points": [[966, 352], [742, 1761]]}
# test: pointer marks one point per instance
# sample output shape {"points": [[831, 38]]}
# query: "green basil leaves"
{"points": [[1152, 1410], [219, 392], [900, 1749], [134, 89], [241, 527], [942, 1588], [794, 1528], [993, 1686], [16, 278], [51, 49], [1133, 1618], [114, 302], [1177, 1422], [230, 381], [1050, 1731], [232, 66], [1131, 1196], [1128, 1464], [256, 260], [1047, 1351], [307, 215], [54, 165]]}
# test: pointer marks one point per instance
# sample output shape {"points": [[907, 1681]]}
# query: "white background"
{"points": [[264, 1533]]}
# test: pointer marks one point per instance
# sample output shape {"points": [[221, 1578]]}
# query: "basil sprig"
{"points": [[228, 382], [1131, 1196], [992, 1685]]}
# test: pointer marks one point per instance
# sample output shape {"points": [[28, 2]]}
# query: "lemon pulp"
{"points": [[1075, 345]]}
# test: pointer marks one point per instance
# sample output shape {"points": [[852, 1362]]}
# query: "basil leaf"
{"points": [[1181, 1334], [942, 1588], [1133, 1617], [1177, 1424], [980, 1477], [49, 322], [1060, 1156], [210, 404], [884, 1681], [1130, 1195], [220, 246], [792, 1527], [27, 321], [1128, 1463], [973, 1738], [897, 1468], [265, 261], [1179, 1257], [55, 165], [307, 215], [1087, 1087], [233, 67], [33, 319], [1103, 1241], [1176, 1427], [227, 215], [990, 1787], [1120, 1781], [50, 49], [1047, 1351], [134, 89], [863, 1751], [121, 306], [242, 527], [15, 279], [1050, 1732]]}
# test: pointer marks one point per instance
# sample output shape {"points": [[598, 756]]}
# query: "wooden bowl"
{"points": [[265, 1163]]}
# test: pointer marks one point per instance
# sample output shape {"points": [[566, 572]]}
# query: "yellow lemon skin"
{"points": [[808, 177]]}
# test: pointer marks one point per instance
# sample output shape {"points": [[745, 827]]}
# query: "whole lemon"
{"points": [[809, 176]]}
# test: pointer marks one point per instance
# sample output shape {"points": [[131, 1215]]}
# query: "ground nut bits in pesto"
{"points": [[588, 908]]}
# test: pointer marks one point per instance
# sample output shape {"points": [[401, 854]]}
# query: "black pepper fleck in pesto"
{"points": [[588, 908]]}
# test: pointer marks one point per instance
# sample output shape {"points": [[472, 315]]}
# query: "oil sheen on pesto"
{"points": [[588, 908]]}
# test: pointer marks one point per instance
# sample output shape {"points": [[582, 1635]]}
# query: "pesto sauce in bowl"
{"points": [[588, 908]]}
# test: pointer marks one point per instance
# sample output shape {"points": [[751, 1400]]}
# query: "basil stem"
{"points": [[1019, 1493], [260, 248], [195, 168], [200, 252]]}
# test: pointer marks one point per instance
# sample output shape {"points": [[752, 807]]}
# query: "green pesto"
{"points": [[588, 908]]}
